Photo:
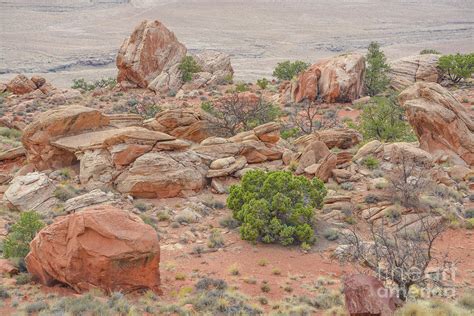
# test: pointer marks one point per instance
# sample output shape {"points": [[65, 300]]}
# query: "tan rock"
{"points": [[326, 165], [33, 191], [149, 51], [372, 148], [13, 153], [124, 252], [406, 71], [312, 154], [163, 175], [6, 267], [237, 165], [441, 123], [182, 123], [336, 79], [222, 163]]}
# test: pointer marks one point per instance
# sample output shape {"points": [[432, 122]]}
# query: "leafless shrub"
{"points": [[409, 179], [401, 255], [237, 113], [308, 117]]}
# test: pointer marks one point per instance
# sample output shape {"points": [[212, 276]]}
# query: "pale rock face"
{"points": [[336, 79], [215, 67], [123, 250], [163, 175], [34, 191], [441, 123], [93, 197], [150, 50], [406, 71], [96, 169]]}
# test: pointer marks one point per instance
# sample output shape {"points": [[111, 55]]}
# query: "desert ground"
{"points": [[63, 40], [206, 174]]}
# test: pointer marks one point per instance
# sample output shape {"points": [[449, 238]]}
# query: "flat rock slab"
{"points": [[105, 138]]}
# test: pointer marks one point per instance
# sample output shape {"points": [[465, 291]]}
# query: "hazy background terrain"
{"points": [[70, 39]]}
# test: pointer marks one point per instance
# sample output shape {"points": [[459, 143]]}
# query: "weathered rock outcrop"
{"points": [[21, 85], [441, 123], [163, 175], [181, 123], [34, 191], [406, 71], [342, 138], [366, 295], [151, 50], [336, 79], [53, 124], [215, 69], [100, 247]]}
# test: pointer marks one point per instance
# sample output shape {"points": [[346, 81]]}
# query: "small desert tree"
{"points": [[457, 67], [188, 67], [383, 119], [287, 70], [408, 178], [400, 255], [236, 113], [276, 207], [308, 117], [16, 245], [376, 73]]}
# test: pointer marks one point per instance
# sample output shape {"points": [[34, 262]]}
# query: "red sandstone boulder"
{"points": [[21, 85], [53, 124], [441, 123], [99, 247], [336, 79], [151, 50], [366, 295]]}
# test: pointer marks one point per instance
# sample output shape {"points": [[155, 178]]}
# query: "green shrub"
{"points": [[382, 119], [287, 70], [371, 162], [263, 83], [376, 73], [82, 84], [241, 87], [65, 192], [16, 244], [457, 67], [331, 234], [276, 206], [290, 133], [10, 133], [215, 239], [429, 51], [188, 67]]}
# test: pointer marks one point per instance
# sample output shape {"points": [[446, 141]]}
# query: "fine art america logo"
{"points": [[439, 282]]}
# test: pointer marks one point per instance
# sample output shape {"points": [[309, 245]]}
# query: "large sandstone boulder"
{"points": [[406, 71], [366, 295], [33, 191], [150, 50], [336, 79], [21, 85], [100, 247], [181, 123], [53, 124], [163, 175], [441, 123]]}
